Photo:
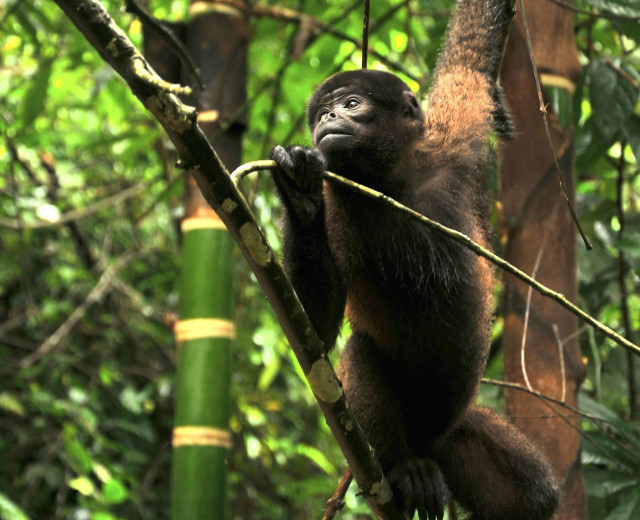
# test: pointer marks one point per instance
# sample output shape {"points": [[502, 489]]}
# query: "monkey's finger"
{"points": [[408, 495], [426, 490], [419, 489], [283, 159]]}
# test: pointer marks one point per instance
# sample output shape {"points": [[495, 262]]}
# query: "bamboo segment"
{"points": [[201, 436]]}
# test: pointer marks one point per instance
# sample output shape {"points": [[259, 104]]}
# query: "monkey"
{"points": [[418, 303]]}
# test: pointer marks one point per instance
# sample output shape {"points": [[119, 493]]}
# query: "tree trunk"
{"points": [[537, 228]]}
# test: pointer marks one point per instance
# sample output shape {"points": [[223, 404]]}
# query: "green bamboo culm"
{"points": [[201, 436]]}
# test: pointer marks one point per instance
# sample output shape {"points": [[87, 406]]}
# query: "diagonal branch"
{"points": [[179, 121]]}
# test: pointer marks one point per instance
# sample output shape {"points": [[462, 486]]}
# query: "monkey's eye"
{"points": [[352, 103]]}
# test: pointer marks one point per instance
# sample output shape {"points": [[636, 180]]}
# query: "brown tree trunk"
{"points": [[537, 229]]}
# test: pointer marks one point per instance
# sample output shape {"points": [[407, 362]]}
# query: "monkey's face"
{"points": [[362, 121], [344, 120]]}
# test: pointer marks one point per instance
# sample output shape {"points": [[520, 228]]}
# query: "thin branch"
{"points": [[336, 502], [605, 15], [543, 111], [563, 374], [462, 239], [522, 388], [179, 121], [98, 291], [173, 43], [318, 27], [365, 34], [547, 400], [527, 312], [77, 214], [617, 68]]}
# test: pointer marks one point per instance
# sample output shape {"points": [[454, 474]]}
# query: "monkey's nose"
{"points": [[329, 115]]}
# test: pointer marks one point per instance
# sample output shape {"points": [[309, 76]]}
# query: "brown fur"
{"points": [[419, 304]]}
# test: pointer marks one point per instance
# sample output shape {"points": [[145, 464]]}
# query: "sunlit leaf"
{"points": [[9, 510], [83, 485]]}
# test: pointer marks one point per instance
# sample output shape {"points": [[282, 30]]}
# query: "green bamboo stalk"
{"points": [[205, 331]]}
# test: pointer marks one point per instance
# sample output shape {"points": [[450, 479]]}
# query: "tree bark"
{"points": [[537, 228]]}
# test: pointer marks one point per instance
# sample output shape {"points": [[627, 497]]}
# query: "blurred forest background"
{"points": [[90, 205]]}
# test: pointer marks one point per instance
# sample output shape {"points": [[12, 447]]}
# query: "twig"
{"points": [[527, 312], [560, 345], [148, 20], [77, 214], [99, 289], [462, 239], [336, 502], [547, 400], [365, 34], [543, 110], [605, 15]]}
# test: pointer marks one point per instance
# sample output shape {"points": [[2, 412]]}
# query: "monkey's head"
{"points": [[363, 117]]}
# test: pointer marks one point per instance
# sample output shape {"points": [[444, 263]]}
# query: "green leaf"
{"points": [[630, 244], [114, 492], [632, 134], [630, 8], [613, 99], [603, 483], [102, 515], [629, 508], [589, 146], [9, 510], [11, 403], [399, 41], [36, 96], [316, 456], [77, 453]]}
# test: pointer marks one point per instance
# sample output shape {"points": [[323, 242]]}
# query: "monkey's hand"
{"points": [[419, 485], [299, 179]]}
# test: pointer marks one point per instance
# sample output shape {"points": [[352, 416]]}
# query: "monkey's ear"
{"points": [[413, 108]]}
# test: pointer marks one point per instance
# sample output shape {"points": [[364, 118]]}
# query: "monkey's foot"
{"points": [[419, 485]]}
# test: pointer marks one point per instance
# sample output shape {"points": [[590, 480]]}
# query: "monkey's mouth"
{"points": [[331, 134]]}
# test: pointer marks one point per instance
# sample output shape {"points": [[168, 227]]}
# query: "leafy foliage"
{"points": [[86, 426]]}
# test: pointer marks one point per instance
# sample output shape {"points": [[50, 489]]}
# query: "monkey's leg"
{"points": [[366, 374], [310, 266], [373, 400], [493, 470]]}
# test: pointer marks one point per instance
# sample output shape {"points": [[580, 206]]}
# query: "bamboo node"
{"points": [[202, 7], [552, 80], [199, 328], [208, 116], [213, 222], [200, 436]]}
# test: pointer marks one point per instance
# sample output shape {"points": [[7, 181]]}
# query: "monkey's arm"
{"points": [[465, 101], [307, 259]]}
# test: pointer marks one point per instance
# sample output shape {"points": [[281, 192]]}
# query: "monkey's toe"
{"points": [[419, 485]]}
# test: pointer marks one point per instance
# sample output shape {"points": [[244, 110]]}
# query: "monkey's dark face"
{"points": [[343, 120], [363, 119]]}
